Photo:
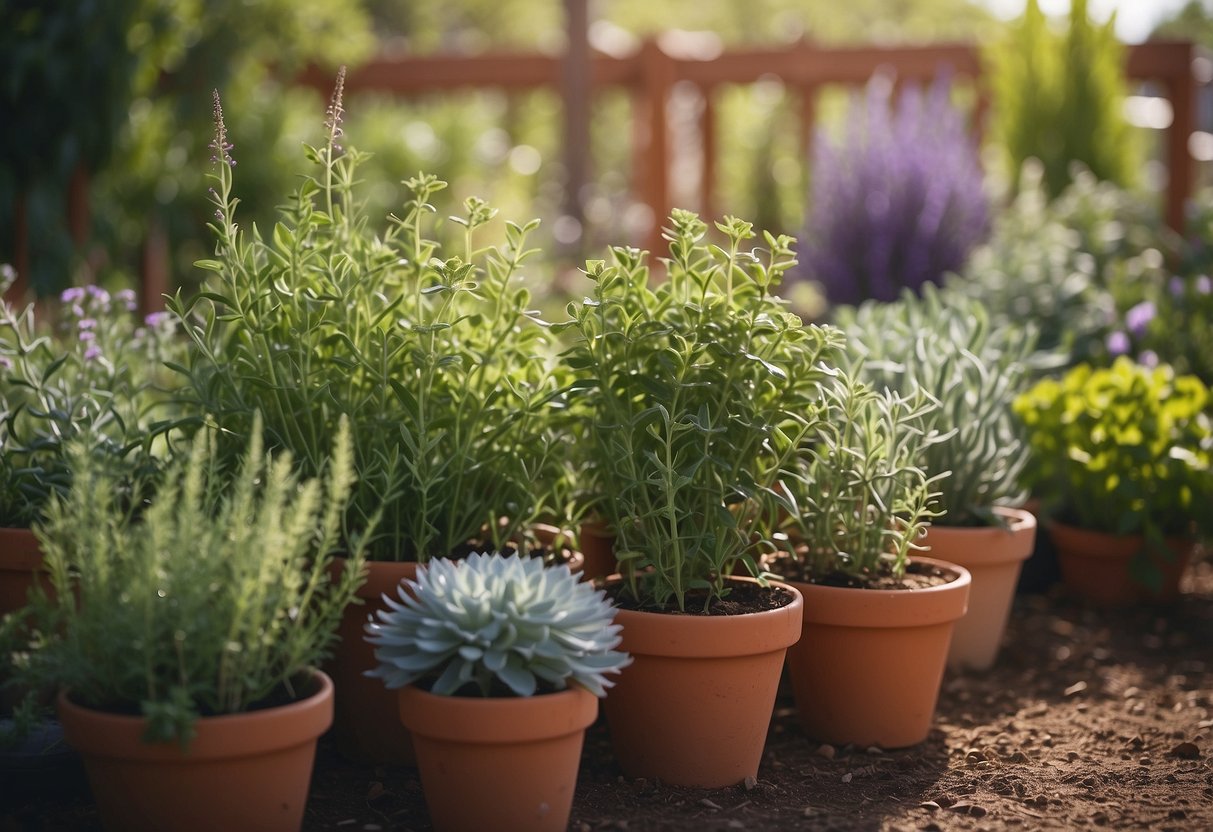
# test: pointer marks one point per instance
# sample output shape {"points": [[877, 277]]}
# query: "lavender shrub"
{"points": [[898, 201]]}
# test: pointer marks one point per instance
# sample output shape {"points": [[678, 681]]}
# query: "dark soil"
{"points": [[743, 598], [1090, 719], [917, 576]]}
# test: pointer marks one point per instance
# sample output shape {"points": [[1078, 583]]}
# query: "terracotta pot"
{"points": [[547, 534], [994, 557], [20, 565], [694, 706], [244, 771], [502, 764], [869, 664], [367, 727], [597, 544], [1097, 566]]}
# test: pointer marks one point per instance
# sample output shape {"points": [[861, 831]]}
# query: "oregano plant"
{"points": [[702, 388]]}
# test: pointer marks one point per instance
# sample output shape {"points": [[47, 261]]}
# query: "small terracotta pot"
{"points": [[597, 544], [869, 664], [367, 727], [504, 764], [1096, 565], [243, 771], [20, 565], [694, 706], [994, 557], [547, 534]]}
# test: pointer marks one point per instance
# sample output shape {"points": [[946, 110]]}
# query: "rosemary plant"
{"points": [[945, 344], [702, 388], [216, 598], [429, 354], [859, 501]]}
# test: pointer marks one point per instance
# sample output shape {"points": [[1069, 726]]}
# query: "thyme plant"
{"points": [[946, 344], [217, 597], [859, 500], [702, 388], [429, 354]]}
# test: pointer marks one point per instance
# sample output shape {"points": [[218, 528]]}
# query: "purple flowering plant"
{"points": [[898, 199], [99, 375]]}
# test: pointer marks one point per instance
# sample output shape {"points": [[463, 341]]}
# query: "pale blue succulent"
{"points": [[490, 618]]}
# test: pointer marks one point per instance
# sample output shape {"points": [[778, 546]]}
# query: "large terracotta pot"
{"points": [[244, 771], [1097, 565], [507, 764], [868, 666], [20, 565], [694, 706], [994, 557], [367, 727], [597, 543]]}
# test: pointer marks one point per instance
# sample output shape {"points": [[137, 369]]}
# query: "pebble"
{"points": [[751, 783], [1077, 687], [1131, 692], [709, 804], [827, 751], [1186, 751], [846, 778]]}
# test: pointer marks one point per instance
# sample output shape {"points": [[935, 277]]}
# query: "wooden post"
{"points": [[16, 292], [657, 71], [1182, 90], [707, 181], [575, 90], [153, 268]]}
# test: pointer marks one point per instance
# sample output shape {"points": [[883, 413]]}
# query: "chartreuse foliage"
{"points": [[216, 596], [428, 353], [1059, 98], [1125, 449], [493, 625], [946, 344], [702, 389]]}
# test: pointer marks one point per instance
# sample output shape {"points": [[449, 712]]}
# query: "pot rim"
{"points": [[712, 636], [252, 733], [1111, 545], [494, 720], [846, 606], [985, 545]]}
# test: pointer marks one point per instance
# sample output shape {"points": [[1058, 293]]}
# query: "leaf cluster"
{"points": [[702, 389], [1125, 449], [947, 345], [97, 378], [491, 625], [430, 354], [858, 500], [218, 595]]}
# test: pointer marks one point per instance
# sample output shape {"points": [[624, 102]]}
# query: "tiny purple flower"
{"points": [[88, 335], [1149, 358], [1176, 286], [92, 353], [1204, 285], [6, 363], [156, 319], [77, 310], [127, 296], [1137, 318], [98, 293], [73, 295], [1118, 343], [86, 323]]}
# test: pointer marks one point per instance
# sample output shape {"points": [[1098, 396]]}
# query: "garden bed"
{"points": [[1089, 719]]}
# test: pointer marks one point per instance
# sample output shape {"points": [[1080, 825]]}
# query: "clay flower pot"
{"points": [[597, 545], [367, 726], [507, 764], [869, 664], [694, 706], [994, 557], [1097, 566], [243, 771], [20, 564]]}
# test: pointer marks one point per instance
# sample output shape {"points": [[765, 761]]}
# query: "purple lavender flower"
{"points": [[73, 295], [127, 298], [92, 353], [1139, 317], [898, 201], [6, 363], [156, 319], [86, 323], [1176, 286], [98, 294], [1149, 358], [88, 335], [1204, 285], [1118, 343]]}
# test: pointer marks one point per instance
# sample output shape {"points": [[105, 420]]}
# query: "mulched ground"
{"points": [[1090, 719]]}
